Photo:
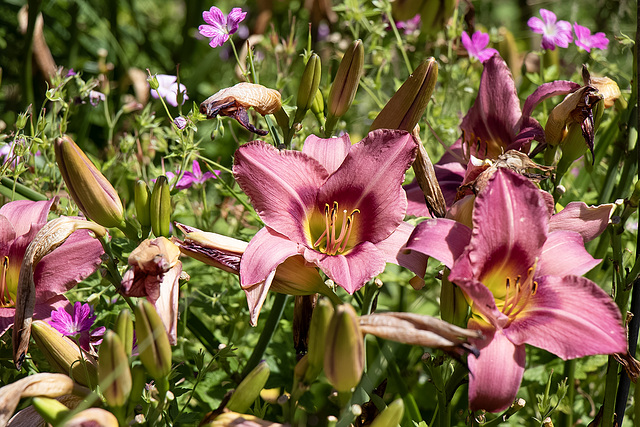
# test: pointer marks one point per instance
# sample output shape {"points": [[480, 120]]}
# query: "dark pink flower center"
{"points": [[336, 234]]}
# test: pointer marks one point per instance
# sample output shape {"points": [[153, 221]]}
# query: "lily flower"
{"points": [[339, 206], [55, 274], [520, 270]]}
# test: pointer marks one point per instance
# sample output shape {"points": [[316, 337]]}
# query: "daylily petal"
{"points": [[492, 119], [76, 259], [41, 311], [266, 250], [350, 271], [510, 221], [482, 300], [495, 376], [7, 233], [588, 221], [416, 203], [441, 238], [23, 213], [548, 90], [282, 185], [167, 303], [256, 296], [392, 248], [563, 253], [571, 317], [381, 160], [330, 152]]}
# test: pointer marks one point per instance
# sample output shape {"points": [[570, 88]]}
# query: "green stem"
{"points": [[399, 41], [569, 373], [34, 9], [269, 329]]}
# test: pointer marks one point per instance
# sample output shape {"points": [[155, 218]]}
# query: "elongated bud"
{"points": [[142, 197], [453, 304], [153, 342], [160, 208], [64, 355], [344, 351], [320, 320], [308, 87], [91, 191], [124, 329], [391, 416], [346, 82], [113, 370], [51, 410], [301, 368], [138, 383], [249, 389], [317, 107], [406, 107], [93, 417]]}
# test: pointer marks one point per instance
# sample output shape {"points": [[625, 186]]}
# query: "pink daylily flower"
{"points": [[339, 206], [55, 274], [221, 27], [585, 40], [520, 269], [168, 89], [553, 33], [476, 45]]}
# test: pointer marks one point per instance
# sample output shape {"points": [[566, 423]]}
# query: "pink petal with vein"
{"points": [[330, 152]]}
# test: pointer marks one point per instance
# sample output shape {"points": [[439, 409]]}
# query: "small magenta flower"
{"points": [[585, 40], [71, 73], [96, 97], [221, 27], [410, 25], [191, 178], [168, 89], [78, 324], [553, 33], [476, 45]]}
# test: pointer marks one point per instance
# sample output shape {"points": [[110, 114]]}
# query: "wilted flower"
{"points": [[221, 27], [476, 45], [96, 97], [520, 269], [585, 40], [553, 33], [191, 178], [80, 323], [55, 274], [168, 89]]}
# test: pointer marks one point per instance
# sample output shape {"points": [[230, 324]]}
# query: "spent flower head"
{"points": [[585, 40], [168, 89], [554, 33], [476, 45], [220, 27], [78, 325]]}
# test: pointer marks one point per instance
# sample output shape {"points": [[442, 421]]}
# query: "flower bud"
{"points": [[113, 370], [453, 304], [230, 419], [308, 87], [153, 341], [153, 81], [344, 349], [142, 198], [346, 82], [93, 417], [51, 410], [124, 329], [320, 320], [160, 208], [406, 107], [249, 389], [390, 416], [317, 107], [64, 355], [91, 191], [21, 121]]}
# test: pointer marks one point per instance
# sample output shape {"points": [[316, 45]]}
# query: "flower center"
{"points": [[5, 297], [518, 292], [328, 242]]}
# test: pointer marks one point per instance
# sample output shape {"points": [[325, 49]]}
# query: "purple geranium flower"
{"points": [[168, 89], [221, 27], [553, 33], [191, 178], [410, 25], [585, 40], [180, 122], [96, 97], [476, 45], [78, 324]]}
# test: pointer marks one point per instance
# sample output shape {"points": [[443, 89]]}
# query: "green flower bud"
{"points": [[317, 107], [160, 208], [453, 304], [21, 121], [138, 383], [308, 87], [320, 320], [406, 107], [91, 191], [142, 197], [153, 341], [153, 81], [50, 409], [124, 329], [113, 370], [64, 355], [391, 416], [249, 389], [344, 349], [346, 82]]}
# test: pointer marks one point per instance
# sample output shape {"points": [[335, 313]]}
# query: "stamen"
{"points": [[349, 228], [3, 282], [334, 214]]}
